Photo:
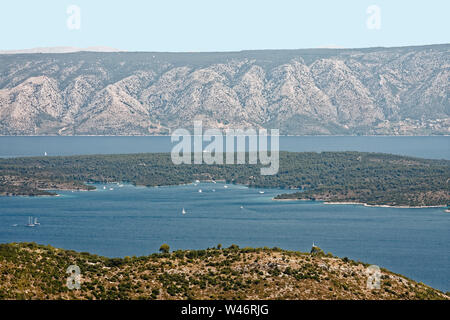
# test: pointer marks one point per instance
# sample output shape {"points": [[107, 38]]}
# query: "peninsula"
{"points": [[368, 178]]}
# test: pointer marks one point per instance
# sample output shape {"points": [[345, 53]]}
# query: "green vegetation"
{"points": [[372, 178], [165, 248], [31, 271], [316, 251]]}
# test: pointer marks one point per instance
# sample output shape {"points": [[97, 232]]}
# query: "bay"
{"points": [[130, 220]]}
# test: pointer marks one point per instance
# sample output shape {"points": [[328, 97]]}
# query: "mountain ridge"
{"points": [[59, 50], [369, 91]]}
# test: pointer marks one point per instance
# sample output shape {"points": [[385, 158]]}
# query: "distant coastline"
{"points": [[382, 205], [363, 204], [371, 179], [281, 135]]}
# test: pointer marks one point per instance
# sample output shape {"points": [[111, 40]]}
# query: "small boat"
{"points": [[15, 225], [225, 187], [111, 189], [261, 192], [242, 207], [200, 190], [197, 181], [36, 223], [30, 222], [104, 188], [213, 190], [183, 211], [45, 153]]}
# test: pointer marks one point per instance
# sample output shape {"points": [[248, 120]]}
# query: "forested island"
{"points": [[369, 178], [31, 271]]}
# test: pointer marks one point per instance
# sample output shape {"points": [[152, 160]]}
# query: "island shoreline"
{"points": [[362, 204]]}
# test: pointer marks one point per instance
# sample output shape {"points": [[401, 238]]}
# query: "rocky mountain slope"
{"points": [[312, 91], [30, 271]]}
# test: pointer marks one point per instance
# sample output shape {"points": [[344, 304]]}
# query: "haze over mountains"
{"points": [[310, 91], [60, 50]]}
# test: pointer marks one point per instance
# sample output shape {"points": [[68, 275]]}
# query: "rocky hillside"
{"points": [[30, 271], [312, 91]]}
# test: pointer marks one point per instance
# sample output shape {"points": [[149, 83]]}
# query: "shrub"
{"points": [[316, 251], [165, 248]]}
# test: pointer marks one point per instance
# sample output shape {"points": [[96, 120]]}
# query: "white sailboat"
{"points": [[36, 223], [30, 222], [45, 153], [183, 211]]}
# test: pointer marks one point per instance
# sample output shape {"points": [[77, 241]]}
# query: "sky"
{"points": [[217, 25]]}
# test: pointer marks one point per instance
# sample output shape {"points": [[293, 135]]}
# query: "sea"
{"points": [[120, 220]]}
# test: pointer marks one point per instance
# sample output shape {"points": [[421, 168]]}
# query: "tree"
{"points": [[165, 248], [316, 251]]}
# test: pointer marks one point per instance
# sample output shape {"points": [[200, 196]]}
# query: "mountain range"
{"points": [[392, 91]]}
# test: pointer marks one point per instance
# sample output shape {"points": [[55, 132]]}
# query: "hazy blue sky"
{"points": [[212, 25]]}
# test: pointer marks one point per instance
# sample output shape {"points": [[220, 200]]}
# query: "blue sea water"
{"points": [[432, 147], [132, 220]]}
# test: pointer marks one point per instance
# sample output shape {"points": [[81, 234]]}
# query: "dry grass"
{"points": [[29, 271]]}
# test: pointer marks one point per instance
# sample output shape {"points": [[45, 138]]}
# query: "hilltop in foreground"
{"points": [[30, 271]]}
